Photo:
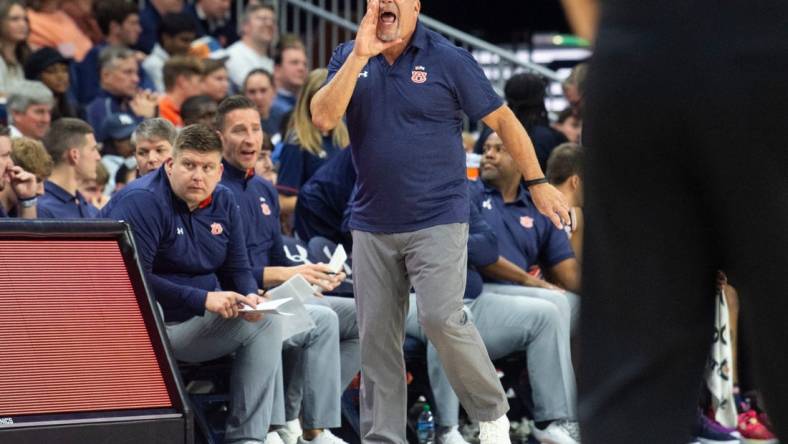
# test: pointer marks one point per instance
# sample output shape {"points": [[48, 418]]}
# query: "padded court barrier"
{"points": [[84, 355]]}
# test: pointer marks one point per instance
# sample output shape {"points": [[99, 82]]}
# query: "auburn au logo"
{"points": [[419, 75]]}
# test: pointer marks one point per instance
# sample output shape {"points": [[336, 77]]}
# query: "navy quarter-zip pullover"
{"points": [[258, 203], [185, 254]]}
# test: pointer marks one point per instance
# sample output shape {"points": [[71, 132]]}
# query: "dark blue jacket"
{"points": [[102, 106], [482, 251], [184, 254], [227, 34], [258, 203], [86, 82], [323, 200]]}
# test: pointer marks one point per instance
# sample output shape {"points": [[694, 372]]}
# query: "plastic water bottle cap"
{"points": [[426, 407]]}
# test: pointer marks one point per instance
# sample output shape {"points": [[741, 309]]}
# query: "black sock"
{"points": [[541, 425]]}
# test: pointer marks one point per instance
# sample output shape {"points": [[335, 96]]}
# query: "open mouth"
{"points": [[388, 18], [249, 153]]}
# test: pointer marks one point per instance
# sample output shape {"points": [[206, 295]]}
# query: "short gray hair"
{"points": [[109, 56], [26, 93], [156, 128]]}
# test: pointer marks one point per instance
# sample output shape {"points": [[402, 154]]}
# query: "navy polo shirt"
{"points": [[297, 165], [482, 251], [323, 199], [258, 203], [185, 254], [57, 203], [525, 236], [405, 122]]}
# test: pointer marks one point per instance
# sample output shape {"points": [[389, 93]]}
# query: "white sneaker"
{"points": [[494, 432], [273, 438], [452, 436], [290, 432], [558, 432], [326, 437]]}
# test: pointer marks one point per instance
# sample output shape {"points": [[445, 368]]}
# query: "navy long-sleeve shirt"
{"points": [[184, 254], [482, 251], [258, 203]]}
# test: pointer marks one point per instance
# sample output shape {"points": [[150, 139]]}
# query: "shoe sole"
{"points": [[715, 441]]}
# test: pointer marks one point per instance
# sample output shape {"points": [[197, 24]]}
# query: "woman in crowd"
{"points": [[306, 148], [215, 80], [52, 69], [13, 43]]}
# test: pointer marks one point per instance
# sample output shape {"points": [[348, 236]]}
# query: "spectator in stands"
{"points": [[574, 87], [152, 142], [290, 74], [318, 372], [50, 26], [29, 109], [73, 148], [215, 80], [123, 176], [116, 146], [525, 95], [151, 18], [259, 88], [565, 172], [215, 18], [265, 166], [13, 43], [190, 244], [569, 124], [198, 109], [176, 34], [323, 200], [95, 190], [81, 11], [52, 69], [119, 89], [306, 148], [119, 21], [18, 187], [182, 77], [253, 50]]}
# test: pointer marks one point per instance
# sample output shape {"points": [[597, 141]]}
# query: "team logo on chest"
{"points": [[527, 222], [265, 207], [216, 228], [419, 74]]}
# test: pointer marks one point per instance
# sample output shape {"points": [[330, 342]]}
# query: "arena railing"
{"points": [[324, 24]]}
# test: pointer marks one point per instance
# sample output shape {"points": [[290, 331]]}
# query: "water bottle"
{"points": [[425, 426]]}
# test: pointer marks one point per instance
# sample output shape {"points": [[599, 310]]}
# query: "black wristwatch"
{"points": [[532, 182]]}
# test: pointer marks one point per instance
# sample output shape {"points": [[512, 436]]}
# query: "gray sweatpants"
{"points": [[256, 367], [512, 323], [434, 262]]}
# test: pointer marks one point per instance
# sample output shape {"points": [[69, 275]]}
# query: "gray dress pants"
{"points": [[433, 261], [312, 373], [256, 371], [511, 323]]}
